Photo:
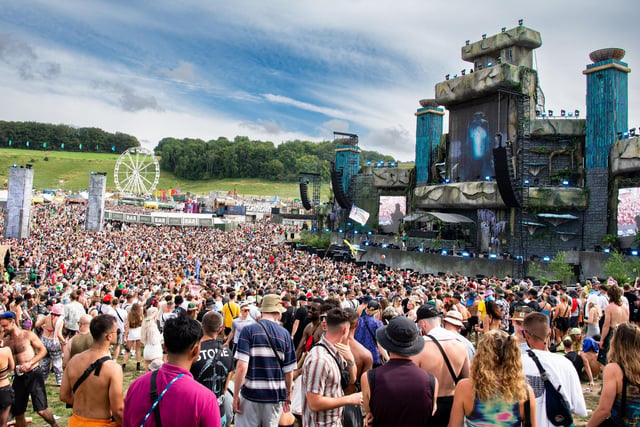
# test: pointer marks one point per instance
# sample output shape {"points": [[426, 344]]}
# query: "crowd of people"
{"points": [[239, 328]]}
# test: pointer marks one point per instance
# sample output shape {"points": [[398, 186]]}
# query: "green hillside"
{"points": [[70, 171]]}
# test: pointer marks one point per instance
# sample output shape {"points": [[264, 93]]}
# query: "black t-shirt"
{"points": [[303, 316], [288, 318], [212, 368]]}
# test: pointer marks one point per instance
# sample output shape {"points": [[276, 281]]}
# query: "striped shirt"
{"points": [[321, 375], [264, 382]]}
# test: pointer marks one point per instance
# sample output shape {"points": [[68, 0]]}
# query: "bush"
{"points": [[46, 159]]}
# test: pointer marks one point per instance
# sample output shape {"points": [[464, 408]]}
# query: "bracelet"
{"points": [[350, 363]]}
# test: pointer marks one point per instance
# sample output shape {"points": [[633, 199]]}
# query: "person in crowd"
{"points": [[175, 383], [323, 376], [237, 325], [443, 356], [214, 366], [452, 321], [561, 317], [620, 397], [496, 392], [493, 318], [615, 314], [73, 312], [300, 320], [519, 313], [593, 318], [121, 320], [313, 331], [365, 333], [27, 351], [80, 342], [230, 310], [7, 398], [151, 337], [133, 334], [414, 391], [264, 369], [97, 398], [561, 373], [53, 340], [363, 358]]}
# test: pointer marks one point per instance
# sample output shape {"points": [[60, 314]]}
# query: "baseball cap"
{"points": [[575, 331], [427, 311]]}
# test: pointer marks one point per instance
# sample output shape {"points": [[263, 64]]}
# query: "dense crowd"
{"points": [[243, 329]]}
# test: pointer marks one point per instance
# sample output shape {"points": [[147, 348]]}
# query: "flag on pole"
{"points": [[358, 215]]}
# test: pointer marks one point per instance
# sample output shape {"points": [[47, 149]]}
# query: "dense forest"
{"points": [[45, 136], [192, 159], [242, 158]]}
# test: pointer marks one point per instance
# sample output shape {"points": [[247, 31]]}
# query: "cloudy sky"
{"points": [[279, 70]]}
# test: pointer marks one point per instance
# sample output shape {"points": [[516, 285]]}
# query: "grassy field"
{"points": [[70, 171]]}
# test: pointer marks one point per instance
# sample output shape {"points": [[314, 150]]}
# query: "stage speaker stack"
{"points": [[503, 178]]}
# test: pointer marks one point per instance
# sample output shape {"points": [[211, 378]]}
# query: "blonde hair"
{"points": [[496, 370], [625, 350]]}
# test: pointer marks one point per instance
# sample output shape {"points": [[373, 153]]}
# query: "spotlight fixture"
{"points": [[607, 250], [546, 259], [634, 252], [447, 76], [565, 182], [526, 182], [625, 135], [470, 70], [543, 113], [570, 113], [538, 113], [487, 178], [499, 59], [550, 113], [504, 29], [632, 132], [576, 113], [563, 113], [455, 76], [479, 66], [489, 64], [520, 22], [493, 256], [484, 37], [446, 252], [463, 71], [466, 254], [467, 42]]}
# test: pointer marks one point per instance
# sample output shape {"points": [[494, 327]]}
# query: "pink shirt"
{"points": [[186, 402]]}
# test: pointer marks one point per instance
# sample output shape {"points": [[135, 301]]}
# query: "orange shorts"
{"points": [[78, 421]]}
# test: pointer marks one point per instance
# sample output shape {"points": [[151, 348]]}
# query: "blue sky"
{"points": [[279, 70]]}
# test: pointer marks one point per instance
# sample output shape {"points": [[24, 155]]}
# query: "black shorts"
{"points": [[29, 384], [7, 397], [441, 417], [562, 324]]}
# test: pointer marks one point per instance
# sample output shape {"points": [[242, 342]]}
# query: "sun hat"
{"points": [[272, 304], [400, 336], [575, 331], [57, 310], [453, 317], [520, 312]]}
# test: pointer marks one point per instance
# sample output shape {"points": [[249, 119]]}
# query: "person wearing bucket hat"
{"points": [[413, 389], [264, 371]]}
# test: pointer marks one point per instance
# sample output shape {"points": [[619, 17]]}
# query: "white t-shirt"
{"points": [[561, 373]]}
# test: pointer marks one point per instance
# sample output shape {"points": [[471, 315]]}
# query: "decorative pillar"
{"points": [[428, 134], [19, 202]]}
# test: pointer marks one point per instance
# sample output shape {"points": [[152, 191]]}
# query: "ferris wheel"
{"points": [[136, 172]]}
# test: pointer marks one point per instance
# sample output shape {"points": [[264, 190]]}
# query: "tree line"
{"points": [[50, 137], [196, 159]]}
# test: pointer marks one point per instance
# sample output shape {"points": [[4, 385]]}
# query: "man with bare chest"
{"points": [[27, 350], [92, 382]]}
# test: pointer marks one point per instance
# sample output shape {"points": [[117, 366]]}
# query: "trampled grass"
{"points": [[70, 171]]}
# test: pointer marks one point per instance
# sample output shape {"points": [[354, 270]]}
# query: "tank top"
{"points": [[412, 391], [632, 407], [495, 413]]}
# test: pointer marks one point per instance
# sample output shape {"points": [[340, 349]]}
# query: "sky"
{"points": [[280, 70]]}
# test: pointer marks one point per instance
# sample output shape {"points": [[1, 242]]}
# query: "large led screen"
{"points": [[472, 132], [628, 211], [391, 211]]}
